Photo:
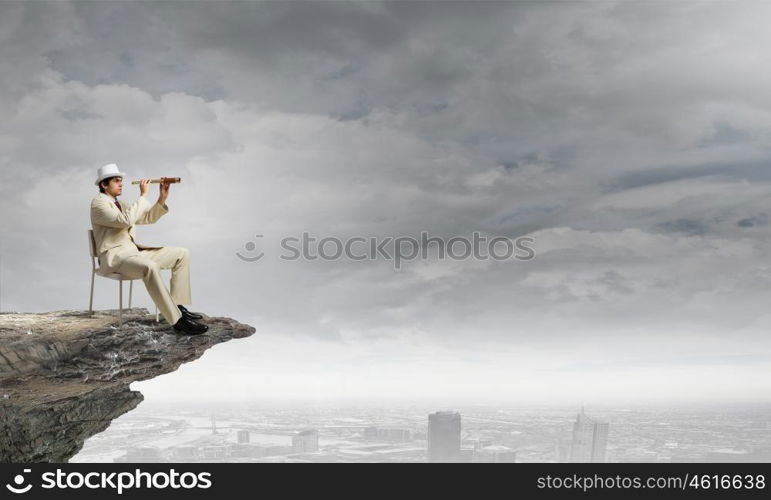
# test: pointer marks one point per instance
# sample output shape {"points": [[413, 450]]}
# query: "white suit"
{"points": [[118, 252]]}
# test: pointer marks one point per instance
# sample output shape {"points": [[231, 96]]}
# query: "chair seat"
{"points": [[109, 274]]}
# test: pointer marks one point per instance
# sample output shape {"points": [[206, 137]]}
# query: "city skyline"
{"points": [[402, 434]]}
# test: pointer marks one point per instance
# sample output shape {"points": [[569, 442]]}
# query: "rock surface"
{"points": [[64, 375]]}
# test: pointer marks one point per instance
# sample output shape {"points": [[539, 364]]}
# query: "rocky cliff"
{"points": [[65, 375]]}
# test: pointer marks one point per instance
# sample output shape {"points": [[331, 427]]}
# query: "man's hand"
{"points": [[144, 187], [163, 190]]}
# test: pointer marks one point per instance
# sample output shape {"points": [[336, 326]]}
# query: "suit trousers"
{"points": [[147, 264]]}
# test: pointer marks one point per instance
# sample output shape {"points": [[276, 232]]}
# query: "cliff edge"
{"points": [[64, 375]]}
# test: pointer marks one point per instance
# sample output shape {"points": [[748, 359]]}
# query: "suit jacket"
{"points": [[114, 229]]}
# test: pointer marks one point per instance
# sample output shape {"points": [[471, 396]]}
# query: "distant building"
{"points": [[479, 443], [277, 450], [561, 450], [248, 450], [391, 434], [396, 435], [466, 455], [737, 456], [590, 439], [184, 452], [142, 454], [444, 436], [216, 452], [242, 437], [497, 454], [305, 441]]}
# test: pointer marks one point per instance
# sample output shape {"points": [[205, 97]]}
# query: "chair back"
{"points": [[92, 249], [91, 243]]}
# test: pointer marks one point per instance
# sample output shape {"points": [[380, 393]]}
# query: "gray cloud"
{"points": [[630, 138]]}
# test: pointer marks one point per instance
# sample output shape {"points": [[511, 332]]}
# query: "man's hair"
{"points": [[107, 180]]}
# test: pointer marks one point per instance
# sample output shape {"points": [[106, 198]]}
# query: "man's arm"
{"points": [[160, 208], [104, 213], [155, 213]]}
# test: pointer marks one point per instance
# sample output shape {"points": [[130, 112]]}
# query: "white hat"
{"points": [[110, 170]]}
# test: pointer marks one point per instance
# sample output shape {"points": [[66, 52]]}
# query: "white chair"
{"points": [[107, 274]]}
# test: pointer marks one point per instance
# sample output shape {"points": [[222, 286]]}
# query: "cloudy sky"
{"points": [[630, 140]]}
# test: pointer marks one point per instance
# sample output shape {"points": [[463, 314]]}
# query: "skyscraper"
{"points": [[590, 438], [444, 436], [305, 441], [242, 436]]}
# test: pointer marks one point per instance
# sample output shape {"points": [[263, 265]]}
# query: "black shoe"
{"points": [[188, 314], [189, 326]]}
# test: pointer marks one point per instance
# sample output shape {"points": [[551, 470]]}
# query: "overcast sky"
{"points": [[630, 140]]}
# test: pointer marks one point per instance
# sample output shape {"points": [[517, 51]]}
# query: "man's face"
{"points": [[115, 186]]}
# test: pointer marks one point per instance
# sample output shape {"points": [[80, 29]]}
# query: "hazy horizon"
{"points": [[630, 140]]}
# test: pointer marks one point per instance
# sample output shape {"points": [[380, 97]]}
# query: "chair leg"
{"points": [[156, 314], [131, 287], [91, 298], [120, 302]]}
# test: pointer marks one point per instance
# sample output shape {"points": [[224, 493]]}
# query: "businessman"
{"points": [[114, 224]]}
